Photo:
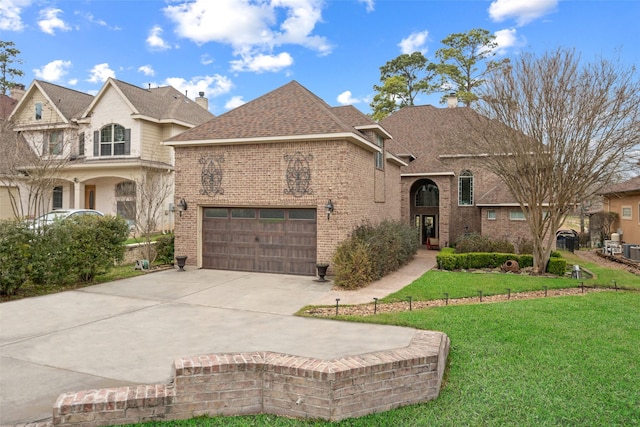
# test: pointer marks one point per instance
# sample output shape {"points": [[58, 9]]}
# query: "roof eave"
{"points": [[351, 137]]}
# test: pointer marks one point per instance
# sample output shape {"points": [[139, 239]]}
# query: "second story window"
{"points": [[38, 110], [112, 140], [465, 188], [379, 156], [81, 144], [55, 143]]}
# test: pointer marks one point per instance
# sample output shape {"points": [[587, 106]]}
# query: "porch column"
{"points": [[76, 194]]}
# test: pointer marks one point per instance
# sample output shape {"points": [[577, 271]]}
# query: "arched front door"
{"points": [[89, 196], [425, 210]]}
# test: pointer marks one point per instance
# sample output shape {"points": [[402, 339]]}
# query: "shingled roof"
{"points": [[68, 102], [287, 112], [162, 103], [428, 132], [6, 106], [626, 187]]}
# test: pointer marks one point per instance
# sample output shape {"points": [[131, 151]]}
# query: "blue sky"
{"points": [[237, 50]]}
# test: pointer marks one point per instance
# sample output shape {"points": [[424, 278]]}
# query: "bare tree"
{"points": [[570, 128], [150, 193], [31, 166]]}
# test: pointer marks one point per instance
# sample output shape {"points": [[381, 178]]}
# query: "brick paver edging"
{"points": [[275, 383]]}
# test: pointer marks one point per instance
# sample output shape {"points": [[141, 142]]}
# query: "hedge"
{"points": [[448, 260]]}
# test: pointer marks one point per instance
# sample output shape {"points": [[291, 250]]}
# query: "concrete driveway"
{"points": [[130, 331]]}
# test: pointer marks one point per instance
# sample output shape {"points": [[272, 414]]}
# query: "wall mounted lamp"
{"points": [[329, 208], [182, 206]]}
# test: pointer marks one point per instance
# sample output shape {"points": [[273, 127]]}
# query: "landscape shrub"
{"points": [[447, 260], [473, 242], [525, 246], [373, 251], [15, 250], [96, 243], [165, 249], [557, 266], [502, 246]]}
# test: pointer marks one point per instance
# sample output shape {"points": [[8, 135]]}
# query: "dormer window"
{"points": [[38, 110], [112, 140]]}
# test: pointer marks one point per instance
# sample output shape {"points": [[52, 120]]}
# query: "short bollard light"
{"points": [[615, 285], [508, 293], [375, 305], [582, 286], [545, 290], [409, 298], [337, 303], [480, 294], [446, 298]]}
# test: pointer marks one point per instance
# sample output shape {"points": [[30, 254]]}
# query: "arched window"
{"points": [[113, 140], [465, 188], [427, 195], [126, 200]]}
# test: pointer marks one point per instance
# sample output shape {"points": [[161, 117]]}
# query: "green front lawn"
{"points": [[569, 361]]}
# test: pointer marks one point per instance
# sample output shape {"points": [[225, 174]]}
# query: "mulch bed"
{"points": [[368, 309]]}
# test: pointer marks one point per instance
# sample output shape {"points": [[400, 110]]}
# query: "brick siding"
{"points": [[275, 383]]}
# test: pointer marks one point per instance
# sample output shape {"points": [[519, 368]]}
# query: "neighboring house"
{"points": [[103, 147], [7, 104], [624, 199], [445, 191], [276, 184]]}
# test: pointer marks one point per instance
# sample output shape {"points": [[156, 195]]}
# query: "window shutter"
{"points": [[96, 144], [127, 142]]}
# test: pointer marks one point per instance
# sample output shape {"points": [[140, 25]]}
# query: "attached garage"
{"points": [[259, 239]]}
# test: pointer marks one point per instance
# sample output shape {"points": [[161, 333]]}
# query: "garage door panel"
{"points": [[266, 240]]}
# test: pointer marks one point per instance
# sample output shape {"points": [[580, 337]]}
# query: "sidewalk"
{"points": [[424, 261]]}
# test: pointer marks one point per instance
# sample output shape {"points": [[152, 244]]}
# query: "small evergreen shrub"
{"points": [[473, 242], [557, 266], [372, 252], [165, 249], [15, 251]]}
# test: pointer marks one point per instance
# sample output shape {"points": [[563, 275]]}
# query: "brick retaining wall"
{"points": [[275, 383]]}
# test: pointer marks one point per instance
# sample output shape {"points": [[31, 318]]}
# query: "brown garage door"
{"points": [[265, 240]]}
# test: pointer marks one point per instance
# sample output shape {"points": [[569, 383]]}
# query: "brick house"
{"points": [[275, 184], [445, 191], [624, 199], [103, 146]]}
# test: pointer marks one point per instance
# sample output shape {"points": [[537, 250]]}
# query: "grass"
{"points": [[29, 290], [434, 283], [570, 361]]}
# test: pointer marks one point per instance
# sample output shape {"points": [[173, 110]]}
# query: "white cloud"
{"points": [[234, 102], [252, 29], [72, 82], [53, 71], [10, 10], [506, 39], [522, 11], [49, 21], [346, 98], [414, 43], [206, 59], [155, 41], [260, 63], [369, 3], [93, 20], [212, 86], [100, 73], [147, 70]]}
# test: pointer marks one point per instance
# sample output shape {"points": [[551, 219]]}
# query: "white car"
{"points": [[60, 214]]}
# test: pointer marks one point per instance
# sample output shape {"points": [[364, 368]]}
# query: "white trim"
{"points": [[377, 127], [427, 174], [357, 140], [393, 159], [626, 217]]}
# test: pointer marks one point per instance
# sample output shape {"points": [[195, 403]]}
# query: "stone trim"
{"points": [[267, 382]]}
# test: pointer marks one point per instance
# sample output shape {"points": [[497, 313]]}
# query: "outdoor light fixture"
{"points": [[329, 208], [182, 206]]}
